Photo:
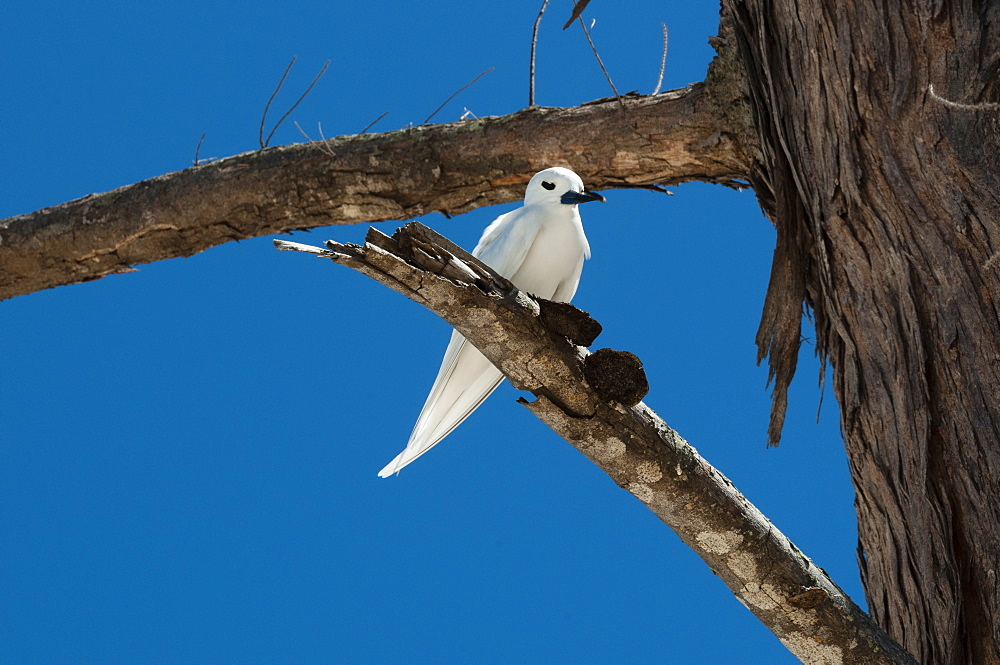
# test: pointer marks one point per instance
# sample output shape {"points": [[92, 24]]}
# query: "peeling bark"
{"points": [[665, 139], [767, 573]]}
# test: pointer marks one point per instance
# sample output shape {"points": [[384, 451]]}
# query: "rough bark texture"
{"points": [[886, 203], [666, 139], [767, 573]]}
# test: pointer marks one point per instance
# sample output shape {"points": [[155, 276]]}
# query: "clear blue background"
{"points": [[188, 453]]}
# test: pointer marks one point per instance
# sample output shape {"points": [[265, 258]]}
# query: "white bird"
{"points": [[540, 247]]}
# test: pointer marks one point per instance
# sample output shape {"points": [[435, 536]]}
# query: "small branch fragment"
{"points": [[197, 149], [578, 8], [455, 94], [287, 246], [985, 106], [651, 187], [297, 102], [599, 61], [270, 100], [534, 43], [663, 60], [373, 123]]}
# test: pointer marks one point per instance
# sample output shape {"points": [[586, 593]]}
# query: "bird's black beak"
{"points": [[572, 198]]}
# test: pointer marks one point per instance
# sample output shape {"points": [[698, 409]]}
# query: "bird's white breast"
{"points": [[554, 261]]}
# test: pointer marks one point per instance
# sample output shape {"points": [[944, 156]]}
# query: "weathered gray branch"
{"points": [[784, 589], [665, 139]]}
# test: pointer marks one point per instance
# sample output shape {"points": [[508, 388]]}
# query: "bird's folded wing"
{"points": [[465, 379], [506, 242]]}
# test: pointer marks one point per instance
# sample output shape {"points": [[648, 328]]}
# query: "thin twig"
{"points": [[288, 246], [578, 8], [263, 118], [322, 145], [198, 149], [534, 43], [598, 56], [302, 131], [372, 123], [663, 60], [454, 94], [297, 102], [985, 106], [326, 142], [653, 188]]}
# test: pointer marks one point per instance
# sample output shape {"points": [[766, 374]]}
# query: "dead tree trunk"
{"points": [[887, 202]]}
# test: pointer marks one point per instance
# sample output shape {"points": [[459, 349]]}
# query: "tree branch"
{"points": [[785, 590], [677, 136]]}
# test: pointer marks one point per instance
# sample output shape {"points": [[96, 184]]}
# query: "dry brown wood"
{"points": [[670, 138], [886, 201], [794, 598], [887, 204], [578, 7]]}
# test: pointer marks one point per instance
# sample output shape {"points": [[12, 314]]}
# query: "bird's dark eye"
{"points": [[548, 185]]}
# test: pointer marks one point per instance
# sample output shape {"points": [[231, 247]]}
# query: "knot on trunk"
{"points": [[616, 375]]}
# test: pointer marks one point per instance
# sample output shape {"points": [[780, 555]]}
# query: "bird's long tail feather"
{"points": [[465, 379]]}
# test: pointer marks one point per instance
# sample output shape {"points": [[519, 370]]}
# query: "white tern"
{"points": [[540, 247]]}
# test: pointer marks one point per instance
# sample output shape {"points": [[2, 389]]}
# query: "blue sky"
{"points": [[188, 454]]}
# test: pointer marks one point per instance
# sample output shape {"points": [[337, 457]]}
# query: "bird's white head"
{"points": [[557, 186]]}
